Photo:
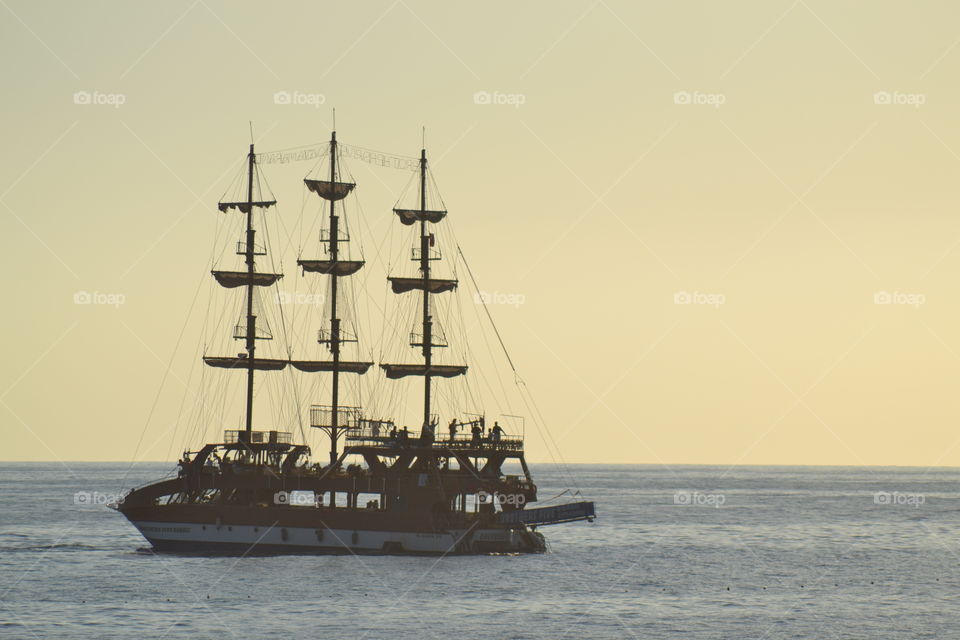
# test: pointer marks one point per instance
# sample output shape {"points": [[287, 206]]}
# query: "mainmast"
{"points": [[333, 419], [334, 249], [428, 286]]}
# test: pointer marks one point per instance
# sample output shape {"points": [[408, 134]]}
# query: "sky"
{"points": [[718, 233]]}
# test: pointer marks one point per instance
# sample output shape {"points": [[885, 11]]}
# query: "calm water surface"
{"points": [[680, 552]]}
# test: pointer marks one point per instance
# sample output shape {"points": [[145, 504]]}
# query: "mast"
{"points": [[428, 286], [251, 319], [330, 418], [248, 279], [334, 320], [425, 273]]}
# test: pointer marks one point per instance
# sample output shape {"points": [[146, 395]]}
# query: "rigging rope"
{"points": [[163, 380], [537, 414], [487, 310]]}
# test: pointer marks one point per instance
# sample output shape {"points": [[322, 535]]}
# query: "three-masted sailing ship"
{"points": [[407, 491]]}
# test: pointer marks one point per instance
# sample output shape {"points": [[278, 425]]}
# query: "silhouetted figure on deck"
{"points": [[184, 465], [429, 433], [477, 434], [453, 430], [496, 433]]}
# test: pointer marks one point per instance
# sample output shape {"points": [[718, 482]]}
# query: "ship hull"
{"points": [[218, 537]]}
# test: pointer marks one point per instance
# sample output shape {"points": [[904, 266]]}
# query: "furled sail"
{"points": [[313, 366], [395, 371], [231, 279], [244, 206], [409, 216], [433, 285], [330, 190], [335, 267], [261, 364]]}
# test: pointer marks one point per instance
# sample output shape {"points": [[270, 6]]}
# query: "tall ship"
{"points": [[439, 486]]}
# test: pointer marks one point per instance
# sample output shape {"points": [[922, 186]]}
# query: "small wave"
{"points": [[55, 547]]}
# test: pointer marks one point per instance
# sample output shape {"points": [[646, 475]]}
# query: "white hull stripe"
{"points": [[183, 534]]}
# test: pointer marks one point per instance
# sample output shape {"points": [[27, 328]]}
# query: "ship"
{"points": [[386, 488]]}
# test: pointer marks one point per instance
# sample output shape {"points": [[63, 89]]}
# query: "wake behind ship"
{"points": [[387, 489]]}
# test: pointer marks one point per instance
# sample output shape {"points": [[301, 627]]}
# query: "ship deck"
{"points": [[478, 447]]}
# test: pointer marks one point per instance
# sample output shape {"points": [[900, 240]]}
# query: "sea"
{"points": [[675, 552]]}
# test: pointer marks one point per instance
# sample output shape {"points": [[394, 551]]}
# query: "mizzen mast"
{"points": [[427, 286], [427, 322]]}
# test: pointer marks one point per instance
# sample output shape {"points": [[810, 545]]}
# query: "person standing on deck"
{"points": [[496, 433]]}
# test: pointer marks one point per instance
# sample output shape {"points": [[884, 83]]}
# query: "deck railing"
{"points": [[373, 436], [257, 437]]}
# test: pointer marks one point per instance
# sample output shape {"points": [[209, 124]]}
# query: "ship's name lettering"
{"points": [[166, 529]]}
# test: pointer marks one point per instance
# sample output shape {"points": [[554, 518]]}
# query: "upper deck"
{"points": [[460, 442], [469, 437]]}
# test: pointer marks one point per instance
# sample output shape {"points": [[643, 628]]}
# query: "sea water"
{"points": [[675, 552]]}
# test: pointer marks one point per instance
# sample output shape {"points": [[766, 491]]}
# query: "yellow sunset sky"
{"points": [[732, 226]]}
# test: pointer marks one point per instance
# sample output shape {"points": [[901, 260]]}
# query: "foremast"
{"points": [[427, 286], [332, 419], [248, 279], [251, 338]]}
